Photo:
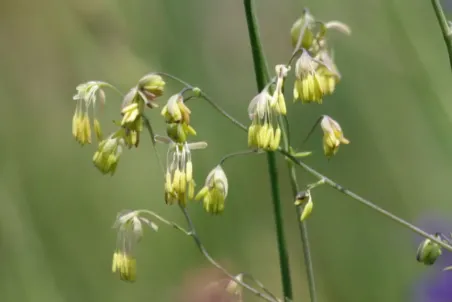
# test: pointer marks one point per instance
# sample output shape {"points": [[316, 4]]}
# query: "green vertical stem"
{"points": [[445, 29], [262, 77]]}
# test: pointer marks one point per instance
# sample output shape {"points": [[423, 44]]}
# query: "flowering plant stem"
{"points": [[445, 27], [262, 77], [267, 295], [301, 224], [288, 155]]}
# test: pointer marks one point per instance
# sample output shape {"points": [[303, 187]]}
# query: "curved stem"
{"points": [[262, 77], [364, 201], [192, 233], [335, 185], [203, 250], [173, 78], [167, 222], [238, 153], [445, 28], [222, 111], [258, 283]]}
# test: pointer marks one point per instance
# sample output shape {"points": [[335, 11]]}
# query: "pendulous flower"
{"points": [[130, 232], [108, 152], [151, 86], [332, 136], [328, 73], [307, 86], [264, 132], [278, 102], [86, 98], [215, 191], [179, 182], [177, 117]]}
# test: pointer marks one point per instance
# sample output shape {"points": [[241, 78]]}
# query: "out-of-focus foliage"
{"points": [[56, 209]]}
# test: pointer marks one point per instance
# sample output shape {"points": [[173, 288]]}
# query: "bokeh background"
{"points": [[56, 210]]}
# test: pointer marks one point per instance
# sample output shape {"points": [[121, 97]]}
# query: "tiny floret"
{"points": [[332, 136], [215, 191]]}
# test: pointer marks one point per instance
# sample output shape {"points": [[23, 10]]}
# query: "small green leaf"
{"points": [[302, 154]]}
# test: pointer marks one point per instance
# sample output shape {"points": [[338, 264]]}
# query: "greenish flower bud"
{"points": [[304, 200], [303, 23], [196, 91], [428, 251], [108, 152], [152, 86], [176, 132]]}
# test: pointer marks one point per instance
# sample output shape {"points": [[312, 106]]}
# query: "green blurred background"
{"points": [[56, 210]]}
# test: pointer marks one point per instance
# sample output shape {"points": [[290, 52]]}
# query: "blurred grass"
{"points": [[56, 210]]}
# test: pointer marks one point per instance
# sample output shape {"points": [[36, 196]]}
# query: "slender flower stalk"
{"points": [[445, 27], [262, 77]]}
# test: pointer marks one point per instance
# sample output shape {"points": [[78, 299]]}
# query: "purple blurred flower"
{"points": [[435, 285]]}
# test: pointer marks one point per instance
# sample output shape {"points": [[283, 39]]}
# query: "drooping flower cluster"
{"points": [[315, 71], [144, 94], [110, 149], [316, 76]]}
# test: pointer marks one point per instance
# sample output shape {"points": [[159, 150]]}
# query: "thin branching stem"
{"points": [[349, 193], [268, 296], [165, 221], [445, 27], [262, 78], [363, 200], [203, 250], [258, 283], [238, 153]]}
